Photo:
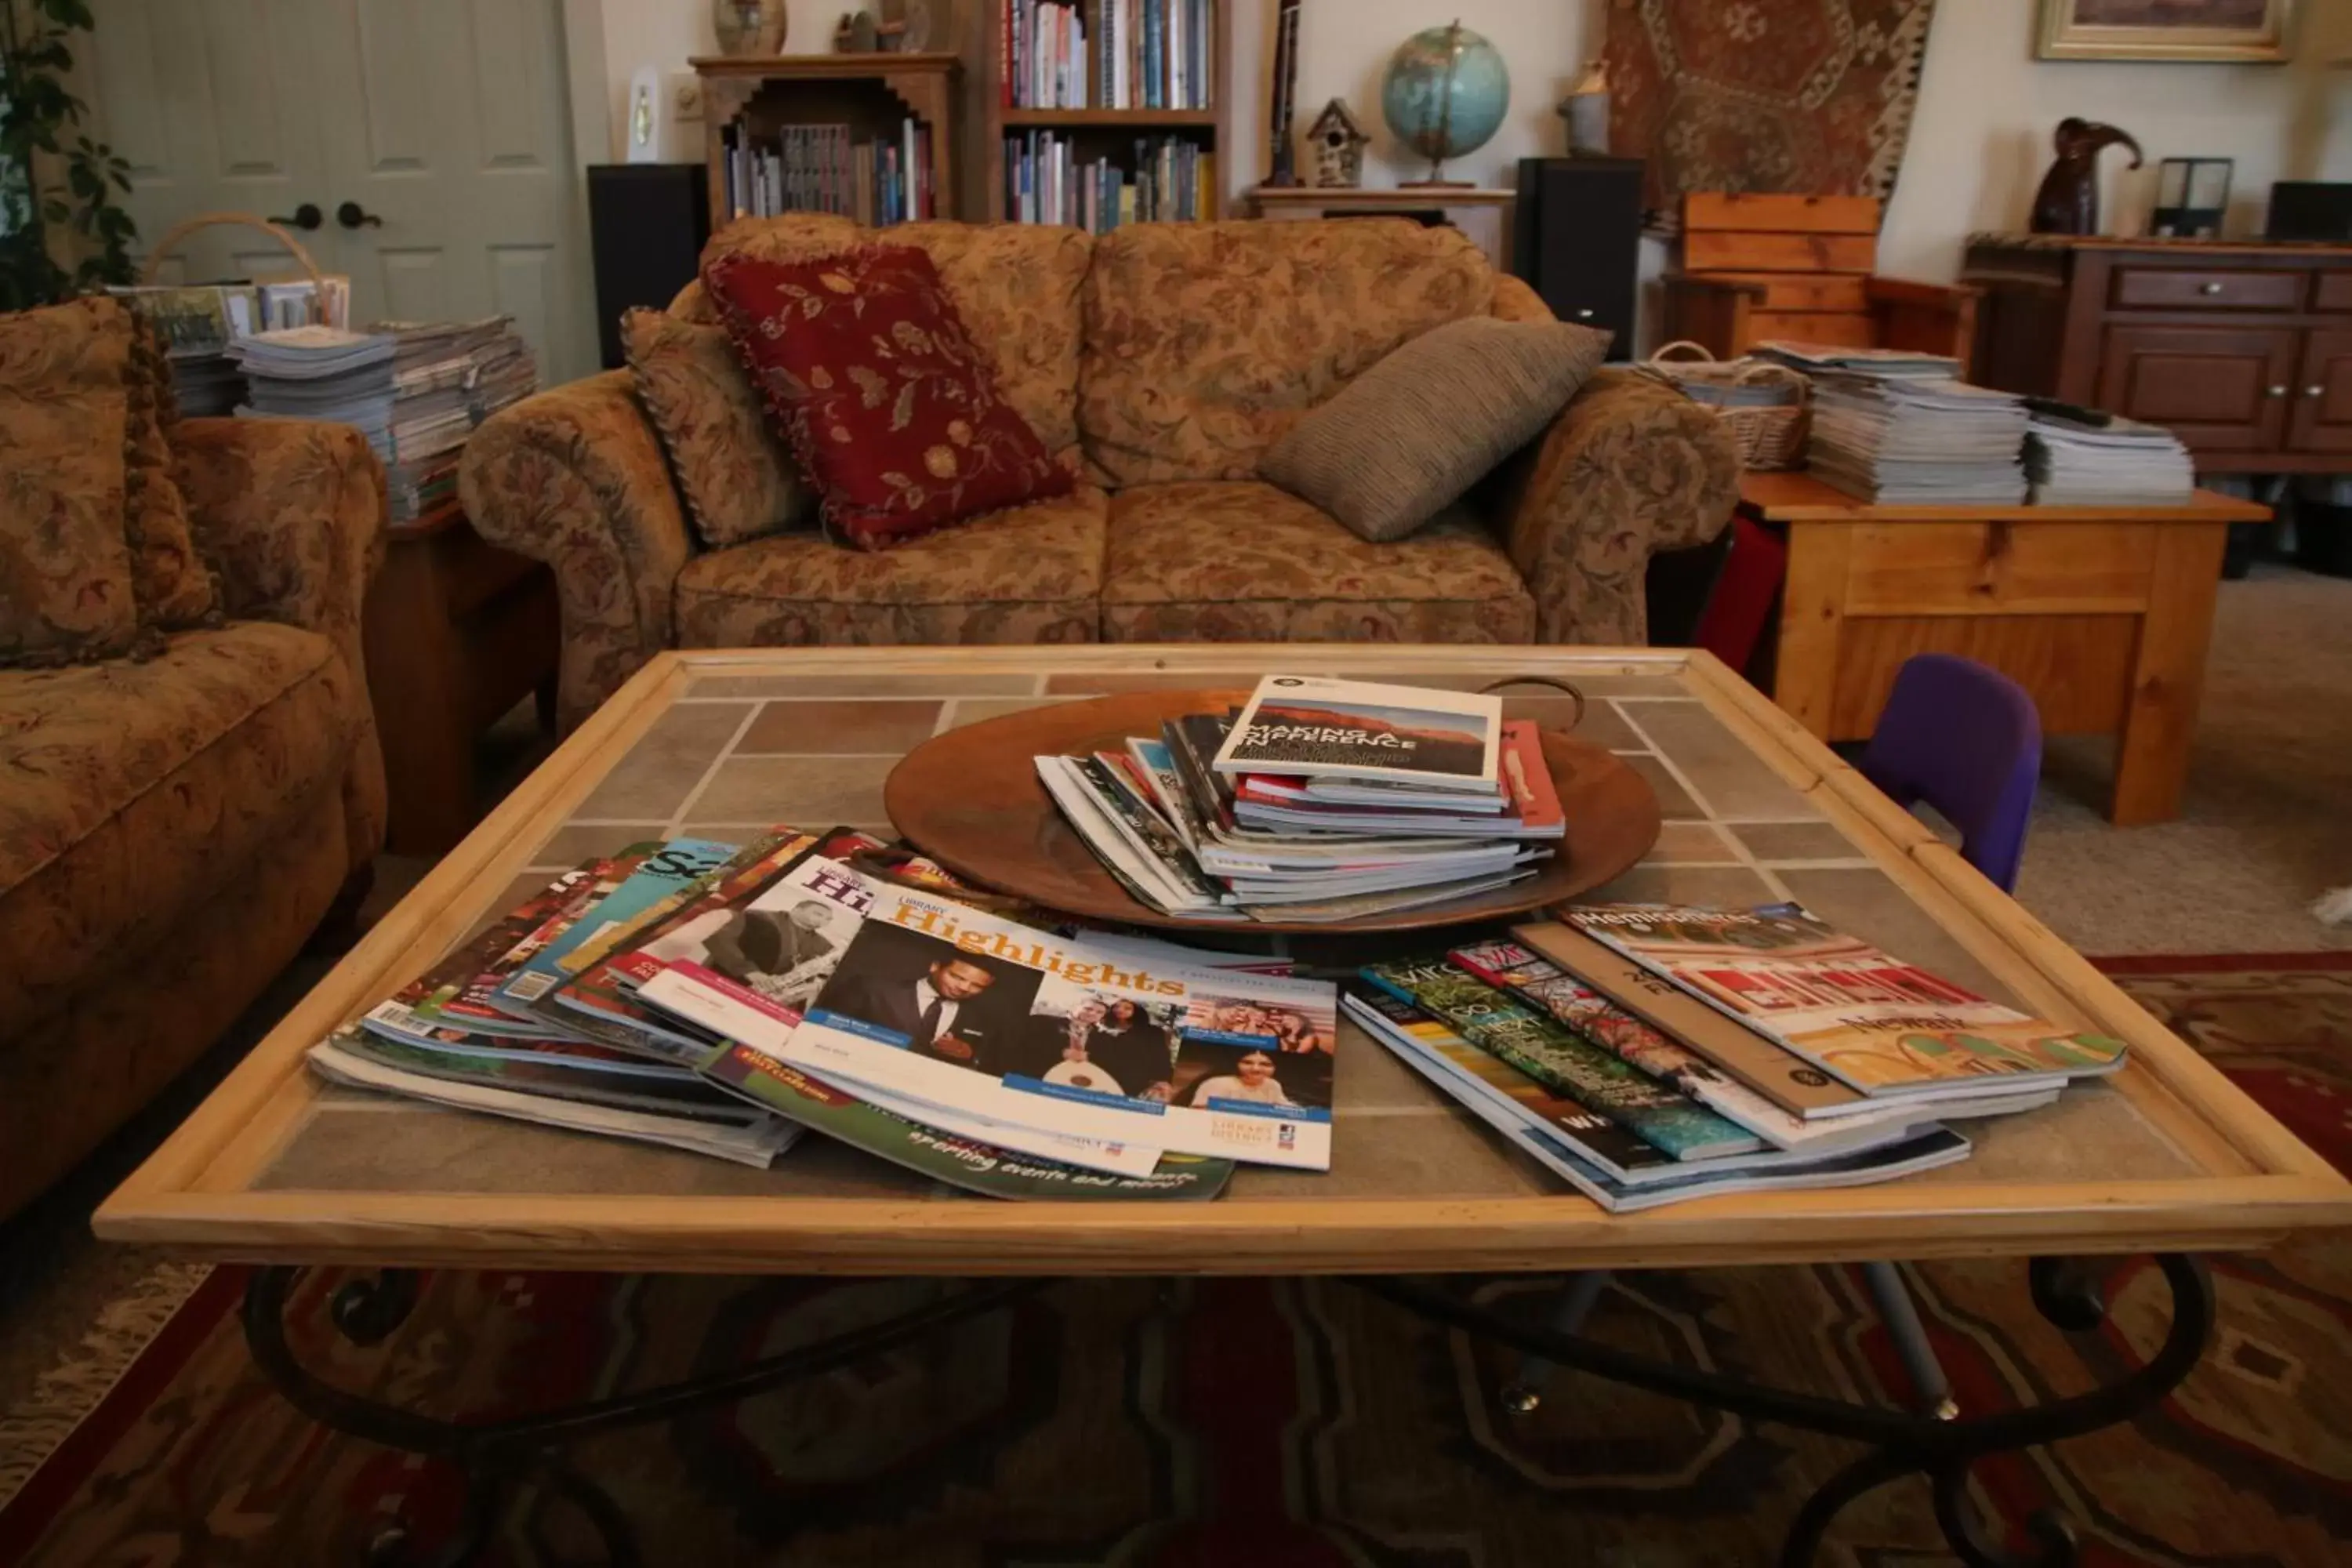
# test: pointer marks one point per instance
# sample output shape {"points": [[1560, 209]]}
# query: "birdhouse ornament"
{"points": [[1338, 142]]}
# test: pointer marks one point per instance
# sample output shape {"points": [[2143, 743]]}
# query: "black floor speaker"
{"points": [[646, 225], [1578, 240]]}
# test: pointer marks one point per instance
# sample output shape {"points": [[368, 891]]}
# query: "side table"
{"points": [[458, 631], [2104, 614]]}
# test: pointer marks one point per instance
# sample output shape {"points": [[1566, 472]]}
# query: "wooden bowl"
{"points": [[972, 800]]}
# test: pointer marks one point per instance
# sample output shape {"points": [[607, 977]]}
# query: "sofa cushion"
{"points": [[128, 791], [1248, 563], [891, 407], [1016, 286], [65, 566], [172, 583], [1205, 343], [1029, 576], [1411, 436], [738, 481]]}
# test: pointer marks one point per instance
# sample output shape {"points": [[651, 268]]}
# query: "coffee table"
{"points": [[279, 1169]]}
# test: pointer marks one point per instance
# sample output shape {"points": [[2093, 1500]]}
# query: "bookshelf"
{"points": [[1097, 133], [874, 95]]}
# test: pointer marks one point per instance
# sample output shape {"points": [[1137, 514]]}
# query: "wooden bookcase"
{"points": [[1105, 132], [874, 94]]}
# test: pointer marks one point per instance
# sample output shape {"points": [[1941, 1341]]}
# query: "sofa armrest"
{"points": [[576, 478], [292, 513], [1631, 468]]}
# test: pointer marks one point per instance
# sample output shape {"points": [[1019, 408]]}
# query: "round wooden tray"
{"points": [[970, 799]]}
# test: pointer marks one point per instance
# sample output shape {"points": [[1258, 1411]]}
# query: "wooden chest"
{"points": [[2243, 350]]}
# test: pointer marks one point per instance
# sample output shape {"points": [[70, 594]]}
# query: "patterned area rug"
{"points": [[1813, 96], [1232, 1424]]}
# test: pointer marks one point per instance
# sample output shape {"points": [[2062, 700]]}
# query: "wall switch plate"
{"points": [[686, 98]]}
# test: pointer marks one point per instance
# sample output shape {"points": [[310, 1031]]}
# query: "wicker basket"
{"points": [[341, 284], [1769, 434]]}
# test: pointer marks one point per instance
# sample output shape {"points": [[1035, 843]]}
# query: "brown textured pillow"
{"points": [[65, 568], [1409, 438], [740, 480], [170, 580]]}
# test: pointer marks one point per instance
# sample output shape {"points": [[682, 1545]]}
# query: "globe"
{"points": [[1446, 93]]}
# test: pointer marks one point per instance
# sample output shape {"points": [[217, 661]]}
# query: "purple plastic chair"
{"points": [[1967, 740]]}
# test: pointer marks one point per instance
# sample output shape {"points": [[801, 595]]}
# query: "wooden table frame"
{"points": [[193, 1194], [2104, 614]]}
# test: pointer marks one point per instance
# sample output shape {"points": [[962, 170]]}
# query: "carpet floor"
{"points": [[1241, 1423]]}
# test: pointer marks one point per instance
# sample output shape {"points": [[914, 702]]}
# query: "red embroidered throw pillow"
{"points": [[890, 406]]}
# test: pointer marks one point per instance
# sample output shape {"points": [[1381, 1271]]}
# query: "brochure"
{"points": [[964, 1163], [1884, 1026], [1315, 726], [955, 1009]]}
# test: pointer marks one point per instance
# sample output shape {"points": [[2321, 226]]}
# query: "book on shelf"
{"points": [[876, 180], [1048, 180], [1107, 54]]}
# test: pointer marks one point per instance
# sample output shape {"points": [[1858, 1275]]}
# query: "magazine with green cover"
{"points": [[962, 1163], [1564, 1063]]}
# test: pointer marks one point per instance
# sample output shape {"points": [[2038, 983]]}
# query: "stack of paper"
{"points": [[446, 379], [2081, 457], [1321, 800], [324, 373], [1895, 428]]}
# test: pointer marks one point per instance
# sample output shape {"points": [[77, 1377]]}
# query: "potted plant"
{"points": [[61, 232]]}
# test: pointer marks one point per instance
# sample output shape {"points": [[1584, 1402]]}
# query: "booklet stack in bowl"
{"points": [[1321, 800]]}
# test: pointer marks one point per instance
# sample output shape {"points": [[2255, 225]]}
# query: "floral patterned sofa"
{"points": [[172, 830], [1161, 362]]}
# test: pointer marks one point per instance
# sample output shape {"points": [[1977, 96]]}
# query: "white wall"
{"points": [[1978, 143]]}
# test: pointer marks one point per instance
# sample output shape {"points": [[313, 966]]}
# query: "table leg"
{"points": [[498, 1458], [2168, 674], [1812, 620], [416, 683], [1901, 1443]]}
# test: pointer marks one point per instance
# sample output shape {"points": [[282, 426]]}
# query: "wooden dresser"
{"points": [[2243, 350]]}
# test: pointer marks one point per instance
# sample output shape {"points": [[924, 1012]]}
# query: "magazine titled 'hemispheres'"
{"points": [[941, 1005]]}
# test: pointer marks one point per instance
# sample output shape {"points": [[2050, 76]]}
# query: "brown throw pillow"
{"points": [[741, 482], [1409, 438], [65, 568], [172, 583]]}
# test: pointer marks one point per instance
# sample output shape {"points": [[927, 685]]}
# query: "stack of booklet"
{"points": [[199, 324], [447, 378], [324, 373], [723, 998], [2081, 457], [1320, 801], [1647, 1054], [1894, 428]]}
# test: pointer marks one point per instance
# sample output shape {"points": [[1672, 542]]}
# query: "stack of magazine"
{"points": [[1647, 1054], [723, 998], [447, 378], [1895, 428], [1321, 800], [321, 373], [2081, 457], [200, 322]]}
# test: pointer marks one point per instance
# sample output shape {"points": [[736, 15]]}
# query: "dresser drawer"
{"points": [[2206, 288], [2332, 291]]}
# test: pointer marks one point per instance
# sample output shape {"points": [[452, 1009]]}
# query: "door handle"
{"points": [[2314, 391], [306, 217], [2278, 392], [350, 214]]}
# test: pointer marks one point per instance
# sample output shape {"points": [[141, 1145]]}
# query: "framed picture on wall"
{"points": [[2167, 29]]}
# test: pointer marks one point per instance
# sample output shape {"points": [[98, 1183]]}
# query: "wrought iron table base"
{"points": [[498, 1458]]}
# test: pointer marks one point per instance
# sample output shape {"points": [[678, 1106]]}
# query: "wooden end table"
{"points": [[2103, 613], [456, 632], [276, 1168]]}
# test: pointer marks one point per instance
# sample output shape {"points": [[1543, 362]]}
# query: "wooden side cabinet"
{"points": [[456, 632], [2243, 350]]}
